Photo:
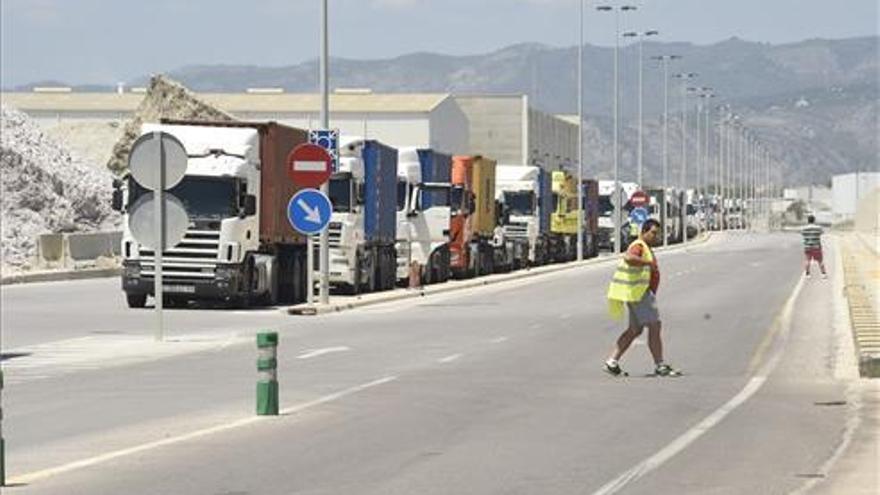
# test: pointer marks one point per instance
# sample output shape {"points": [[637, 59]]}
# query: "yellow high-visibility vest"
{"points": [[629, 282]]}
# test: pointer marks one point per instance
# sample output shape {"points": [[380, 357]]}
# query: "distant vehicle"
{"points": [[471, 248], [608, 201], [363, 229], [671, 216], [526, 198], [240, 247], [591, 217], [564, 219], [423, 214]]}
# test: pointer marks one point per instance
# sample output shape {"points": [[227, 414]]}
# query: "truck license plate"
{"points": [[187, 289]]}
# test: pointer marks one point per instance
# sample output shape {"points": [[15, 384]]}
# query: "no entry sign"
{"points": [[309, 165], [639, 199]]}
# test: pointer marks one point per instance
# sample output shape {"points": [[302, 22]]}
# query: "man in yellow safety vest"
{"points": [[634, 287]]}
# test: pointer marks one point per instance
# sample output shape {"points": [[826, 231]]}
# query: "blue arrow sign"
{"points": [[638, 215], [309, 211], [329, 140]]}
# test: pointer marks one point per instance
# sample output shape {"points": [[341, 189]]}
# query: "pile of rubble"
{"points": [[44, 189], [165, 98]]}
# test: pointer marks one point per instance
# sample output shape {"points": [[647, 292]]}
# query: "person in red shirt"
{"points": [[643, 313]]}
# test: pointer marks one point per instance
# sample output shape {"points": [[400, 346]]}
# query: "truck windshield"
{"points": [[204, 197], [456, 198], [605, 206], [340, 194], [401, 195], [520, 202]]}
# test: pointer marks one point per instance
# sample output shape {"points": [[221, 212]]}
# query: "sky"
{"points": [[107, 41]]}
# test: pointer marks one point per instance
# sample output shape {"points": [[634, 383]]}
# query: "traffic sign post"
{"points": [[309, 212], [158, 162]]}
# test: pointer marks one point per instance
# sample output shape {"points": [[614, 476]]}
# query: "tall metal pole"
{"points": [[580, 184], [665, 59], [697, 160], [641, 112], [618, 206], [325, 124]]}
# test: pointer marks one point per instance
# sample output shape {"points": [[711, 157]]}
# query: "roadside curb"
{"points": [[862, 313], [60, 275], [403, 294]]}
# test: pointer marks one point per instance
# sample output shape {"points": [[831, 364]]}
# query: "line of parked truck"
{"points": [[397, 214]]}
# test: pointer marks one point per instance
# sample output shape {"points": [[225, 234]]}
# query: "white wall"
{"points": [[847, 190], [449, 131]]}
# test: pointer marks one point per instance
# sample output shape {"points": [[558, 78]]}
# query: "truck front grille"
{"points": [[195, 257], [334, 233], [516, 230]]}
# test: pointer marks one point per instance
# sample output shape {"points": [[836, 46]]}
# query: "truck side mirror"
{"points": [[249, 207], [116, 202]]}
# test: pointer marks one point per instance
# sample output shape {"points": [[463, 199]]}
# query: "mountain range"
{"points": [[813, 103]]}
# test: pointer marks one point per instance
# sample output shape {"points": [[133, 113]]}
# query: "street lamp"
{"points": [[580, 100], [619, 207], [640, 152], [685, 77], [665, 59]]}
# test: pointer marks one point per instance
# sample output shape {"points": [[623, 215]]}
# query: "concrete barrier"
{"points": [[80, 248], [76, 250], [50, 249]]}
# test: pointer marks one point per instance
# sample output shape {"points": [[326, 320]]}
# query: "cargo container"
{"points": [[591, 217], [240, 247], [473, 216], [423, 214], [363, 229]]}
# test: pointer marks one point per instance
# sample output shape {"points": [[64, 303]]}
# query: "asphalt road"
{"points": [[492, 390]]}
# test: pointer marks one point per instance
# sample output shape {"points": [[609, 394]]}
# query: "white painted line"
{"points": [[449, 359], [100, 459], [498, 340], [320, 352], [688, 437]]}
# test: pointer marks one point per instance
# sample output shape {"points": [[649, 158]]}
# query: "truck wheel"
{"points": [[136, 300]]}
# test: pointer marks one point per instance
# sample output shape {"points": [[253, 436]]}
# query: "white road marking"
{"points": [[320, 352], [94, 352], [100, 459], [498, 340], [449, 359], [688, 437]]}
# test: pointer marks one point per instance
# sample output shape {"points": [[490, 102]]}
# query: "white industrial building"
{"points": [[847, 190], [502, 127]]}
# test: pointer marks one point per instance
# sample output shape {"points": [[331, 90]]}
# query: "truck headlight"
{"points": [[131, 270]]}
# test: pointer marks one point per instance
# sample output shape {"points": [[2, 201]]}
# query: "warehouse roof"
{"points": [[231, 102]]}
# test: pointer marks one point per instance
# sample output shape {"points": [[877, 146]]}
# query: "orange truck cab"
{"points": [[473, 221]]}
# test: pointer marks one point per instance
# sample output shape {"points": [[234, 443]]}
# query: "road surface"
{"points": [[492, 390]]}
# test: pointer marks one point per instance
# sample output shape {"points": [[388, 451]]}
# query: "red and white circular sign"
{"points": [[309, 165], [639, 199]]}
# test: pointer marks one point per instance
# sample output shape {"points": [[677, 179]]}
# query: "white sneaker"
{"points": [[807, 275], [824, 276]]}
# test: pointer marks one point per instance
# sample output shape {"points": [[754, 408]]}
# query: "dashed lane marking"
{"points": [[449, 359], [320, 352]]}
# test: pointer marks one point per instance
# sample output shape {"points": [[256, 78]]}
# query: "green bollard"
{"points": [[267, 372]]}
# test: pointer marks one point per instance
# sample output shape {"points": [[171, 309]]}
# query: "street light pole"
{"points": [[665, 59], [684, 76], [580, 184], [640, 151], [325, 124]]}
